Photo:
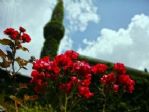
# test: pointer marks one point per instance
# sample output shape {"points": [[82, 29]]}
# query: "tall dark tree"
{"points": [[54, 31]]}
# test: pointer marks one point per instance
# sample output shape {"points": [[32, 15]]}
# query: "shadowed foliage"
{"points": [[54, 31]]}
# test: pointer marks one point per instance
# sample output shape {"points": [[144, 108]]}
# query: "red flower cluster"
{"points": [[71, 74], [39, 80], [119, 68], [128, 83], [25, 37], [99, 68], [12, 33], [81, 67], [18, 35], [81, 85], [108, 79], [65, 68], [44, 69], [22, 29], [118, 78]]}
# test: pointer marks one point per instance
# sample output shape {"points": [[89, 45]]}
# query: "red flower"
{"points": [[46, 59], [84, 91], [13, 34], [22, 29], [66, 87], [127, 82], [55, 69], [63, 61], [71, 54], [99, 68], [34, 73], [26, 38], [39, 82], [86, 82], [88, 76], [131, 88], [89, 95], [120, 68], [81, 67], [47, 75], [115, 87], [124, 79], [74, 80], [108, 79], [8, 31]]}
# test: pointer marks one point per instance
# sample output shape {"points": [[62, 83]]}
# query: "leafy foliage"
{"points": [[15, 41], [54, 31]]}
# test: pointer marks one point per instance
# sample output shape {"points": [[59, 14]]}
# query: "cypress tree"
{"points": [[54, 31]]}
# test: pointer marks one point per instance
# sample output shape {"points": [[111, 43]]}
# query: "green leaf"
{"points": [[21, 62], [2, 54], [6, 42]]}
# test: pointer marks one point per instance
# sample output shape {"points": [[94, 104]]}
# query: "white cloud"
{"points": [[129, 46], [79, 13]]}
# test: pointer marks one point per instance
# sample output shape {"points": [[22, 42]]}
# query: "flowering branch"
{"points": [[15, 41]]}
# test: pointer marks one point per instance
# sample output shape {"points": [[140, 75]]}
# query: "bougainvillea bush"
{"points": [[66, 83]]}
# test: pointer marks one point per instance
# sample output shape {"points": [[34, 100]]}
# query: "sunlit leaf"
{"points": [[26, 97], [24, 49], [5, 63], [17, 100], [2, 54], [17, 43], [30, 98], [23, 85], [34, 97], [6, 42], [21, 62]]}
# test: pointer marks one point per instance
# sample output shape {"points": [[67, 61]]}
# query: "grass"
{"points": [[10, 106]]}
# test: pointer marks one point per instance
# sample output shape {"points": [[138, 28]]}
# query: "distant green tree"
{"points": [[54, 31]]}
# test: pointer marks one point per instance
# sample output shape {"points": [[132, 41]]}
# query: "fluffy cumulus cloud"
{"points": [[129, 45], [79, 13]]}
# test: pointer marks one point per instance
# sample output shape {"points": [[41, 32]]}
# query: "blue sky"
{"points": [[113, 30], [118, 13], [114, 14]]}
